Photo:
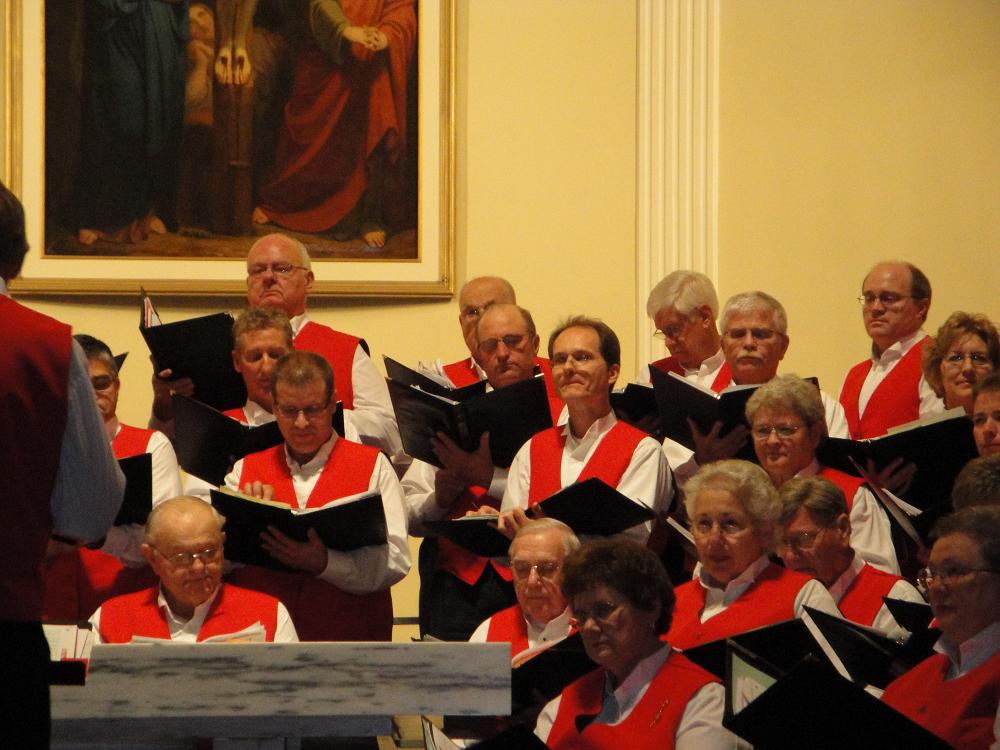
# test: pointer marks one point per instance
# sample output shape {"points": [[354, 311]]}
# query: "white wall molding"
{"points": [[677, 124]]}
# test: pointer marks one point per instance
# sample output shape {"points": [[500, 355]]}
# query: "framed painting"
{"points": [[153, 147]]}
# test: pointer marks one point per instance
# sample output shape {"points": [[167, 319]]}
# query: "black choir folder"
{"points": [[589, 507], [547, 671], [939, 447], [511, 415], [138, 500], [200, 349], [345, 524], [811, 706], [208, 442], [400, 373], [862, 654]]}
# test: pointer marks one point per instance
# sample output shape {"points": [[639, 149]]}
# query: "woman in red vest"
{"points": [[955, 692], [645, 694], [733, 507], [965, 350]]}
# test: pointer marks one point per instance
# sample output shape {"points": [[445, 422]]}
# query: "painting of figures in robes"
{"points": [[178, 129]]}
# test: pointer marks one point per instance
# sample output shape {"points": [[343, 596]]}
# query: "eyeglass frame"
{"points": [[869, 300], [281, 270], [955, 360], [548, 575], [783, 431], [187, 559], [311, 412], [608, 613], [926, 576], [513, 341]]}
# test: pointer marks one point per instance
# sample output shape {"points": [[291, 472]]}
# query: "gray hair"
{"points": [[746, 303], [788, 393], [262, 319], [684, 291], [306, 261], [823, 500], [537, 526], [746, 482]]}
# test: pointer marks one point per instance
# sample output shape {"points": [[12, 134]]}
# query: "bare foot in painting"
{"points": [[87, 236], [374, 238], [156, 225], [259, 217]]}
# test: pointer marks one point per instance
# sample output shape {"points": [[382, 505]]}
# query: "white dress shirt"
{"points": [[646, 480], [367, 569], [700, 727], [703, 375], [882, 365], [884, 622], [186, 631]]}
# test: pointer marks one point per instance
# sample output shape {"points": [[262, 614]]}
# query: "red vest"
{"points": [[34, 373], [131, 441], [78, 582], [769, 599], [336, 348], [457, 560], [508, 626], [895, 401], [652, 723], [462, 373], [608, 461], [320, 610], [238, 414], [960, 711], [849, 485], [670, 364], [863, 598], [233, 610]]}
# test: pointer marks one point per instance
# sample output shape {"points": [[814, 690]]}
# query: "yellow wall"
{"points": [[853, 131], [850, 131]]}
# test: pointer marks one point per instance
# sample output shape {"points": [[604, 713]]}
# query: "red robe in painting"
{"points": [[335, 118]]}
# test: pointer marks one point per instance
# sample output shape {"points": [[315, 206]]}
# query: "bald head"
{"points": [[507, 344], [164, 518], [477, 295]]}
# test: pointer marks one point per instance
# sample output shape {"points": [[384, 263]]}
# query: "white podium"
{"points": [[266, 695]]}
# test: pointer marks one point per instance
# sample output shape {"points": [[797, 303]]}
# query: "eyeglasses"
{"points": [[978, 360], [102, 382], [729, 527], [888, 299], [948, 576], [758, 334], [511, 341], [672, 331], [311, 412], [546, 569], [784, 431], [603, 613], [800, 541], [186, 559], [281, 270], [561, 358]]}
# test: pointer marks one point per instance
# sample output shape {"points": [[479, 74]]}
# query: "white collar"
{"points": [[972, 652], [256, 414], [739, 584], [199, 612], [316, 463], [899, 349], [297, 322], [840, 586]]}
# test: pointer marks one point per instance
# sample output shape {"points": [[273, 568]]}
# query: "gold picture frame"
{"points": [[430, 275]]}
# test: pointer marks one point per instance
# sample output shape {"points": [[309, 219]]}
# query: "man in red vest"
{"points": [[541, 616], [182, 543], [815, 533], [334, 595], [889, 388], [78, 583], [63, 485], [586, 359], [955, 693], [459, 589], [279, 274], [684, 307]]}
